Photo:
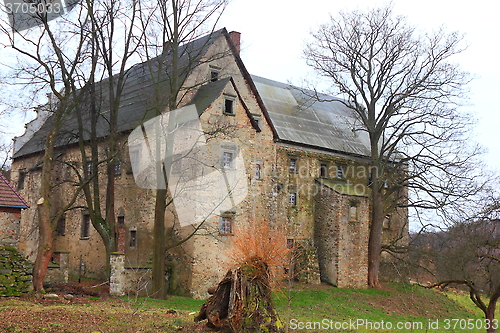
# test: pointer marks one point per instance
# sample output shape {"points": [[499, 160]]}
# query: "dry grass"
{"points": [[261, 246]]}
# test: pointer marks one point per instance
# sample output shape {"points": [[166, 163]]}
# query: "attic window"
{"points": [[229, 105], [258, 121], [214, 73]]}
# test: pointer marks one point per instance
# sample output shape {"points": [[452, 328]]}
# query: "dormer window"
{"points": [[229, 105]]}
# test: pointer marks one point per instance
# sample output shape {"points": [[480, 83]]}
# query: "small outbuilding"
{"points": [[11, 204]]}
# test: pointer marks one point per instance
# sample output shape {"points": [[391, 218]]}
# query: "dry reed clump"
{"points": [[261, 250]]}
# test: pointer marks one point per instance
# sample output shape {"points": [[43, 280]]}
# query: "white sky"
{"points": [[273, 33]]}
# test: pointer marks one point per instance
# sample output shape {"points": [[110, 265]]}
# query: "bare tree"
{"points": [[50, 59], [404, 89], [170, 25], [468, 254]]}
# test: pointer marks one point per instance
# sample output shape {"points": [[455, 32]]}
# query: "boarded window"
{"points": [[85, 228], [133, 238]]}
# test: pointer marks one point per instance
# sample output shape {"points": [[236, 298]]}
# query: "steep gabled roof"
{"points": [[300, 119], [9, 197], [136, 103]]}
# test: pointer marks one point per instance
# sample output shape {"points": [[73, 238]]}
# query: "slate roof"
{"points": [[295, 117], [300, 119], [136, 101], [9, 197]]}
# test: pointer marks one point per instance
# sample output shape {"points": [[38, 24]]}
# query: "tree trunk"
{"points": [[490, 315], [243, 302], [45, 240], [375, 238], [45, 230], [158, 274]]}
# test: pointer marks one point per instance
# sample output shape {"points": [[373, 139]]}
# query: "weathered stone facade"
{"points": [[304, 201]]}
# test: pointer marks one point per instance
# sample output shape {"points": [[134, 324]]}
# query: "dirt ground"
{"points": [[91, 310]]}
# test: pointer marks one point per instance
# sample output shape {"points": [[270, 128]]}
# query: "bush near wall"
{"points": [[15, 272]]}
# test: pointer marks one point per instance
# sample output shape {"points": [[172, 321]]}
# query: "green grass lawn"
{"points": [[328, 309]]}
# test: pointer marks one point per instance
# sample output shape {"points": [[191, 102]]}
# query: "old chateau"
{"points": [[298, 160]]}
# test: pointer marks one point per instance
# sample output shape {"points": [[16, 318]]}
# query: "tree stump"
{"points": [[243, 302]]}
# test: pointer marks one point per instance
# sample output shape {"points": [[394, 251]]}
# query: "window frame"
{"points": [[226, 219], [323, 170], [85, 227], [132, 238], [22, 179], [232, 100], [294, 169]]}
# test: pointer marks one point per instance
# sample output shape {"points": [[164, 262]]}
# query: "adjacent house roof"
{"points": [[300, 119], [9, 197]]}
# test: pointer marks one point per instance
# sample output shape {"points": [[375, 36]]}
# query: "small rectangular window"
{"points": [[387, 222], [89, 168], [61, 226], [353, 212], [227, 159], [22, 178], [226, 224], [118, 168], [229, 106], [292, 198], [290, 243], [258, 171], [340, 171], [121, 220], [293, 165], [133, 238], [85, 228], [323, 170], [214, 73]]}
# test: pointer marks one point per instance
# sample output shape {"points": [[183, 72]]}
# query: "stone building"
{"points": [[294, 161], [11, 205]]}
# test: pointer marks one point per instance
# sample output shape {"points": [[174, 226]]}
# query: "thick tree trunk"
{"points": [[158, 274], [45, 229], [490, 315], [45, 240], [243, 302], [375, 238]]}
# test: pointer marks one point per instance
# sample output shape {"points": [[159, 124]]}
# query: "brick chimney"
{"points": [[235, 38]]}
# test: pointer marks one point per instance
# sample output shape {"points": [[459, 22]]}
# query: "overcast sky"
{"points": [[273, 33]]}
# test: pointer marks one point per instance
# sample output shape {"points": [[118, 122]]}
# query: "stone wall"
{"points": [[58, 269], [342, 242], [15, 272], [10, 222]]}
